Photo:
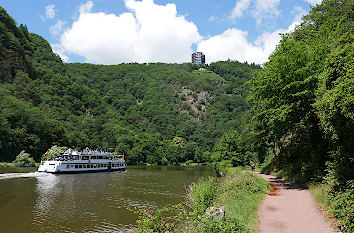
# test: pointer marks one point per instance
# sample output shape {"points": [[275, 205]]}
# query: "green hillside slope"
{"points": [[153, 113]]}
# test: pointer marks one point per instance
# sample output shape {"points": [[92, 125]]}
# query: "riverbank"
{"points": [[7, 165], [226, 204], [14, 165]]}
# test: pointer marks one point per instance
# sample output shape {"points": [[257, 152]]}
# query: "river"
{"points": [[88, 202]]}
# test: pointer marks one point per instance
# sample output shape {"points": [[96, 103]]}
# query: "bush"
{"points": [[54, 152], [24, 160], [222, 225], [222, 166], [339, 203], [239, 192], [201, 194], [164, 161], [167, 219]]}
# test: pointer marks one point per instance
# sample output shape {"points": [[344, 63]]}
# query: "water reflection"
{"points": [[47, 190], [95, 202]]}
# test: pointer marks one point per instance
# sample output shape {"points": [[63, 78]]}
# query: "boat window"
{"points": [[76, 166], [72, 166], [67, 166], [85, 157], [80, 166], [93, 157]]}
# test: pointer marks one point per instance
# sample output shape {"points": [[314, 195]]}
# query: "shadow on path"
{"points": [[285, 184]]}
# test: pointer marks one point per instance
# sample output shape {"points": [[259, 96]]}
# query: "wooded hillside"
{"points": [[153, 113]]}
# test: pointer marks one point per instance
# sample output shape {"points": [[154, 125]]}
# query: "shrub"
{"points": [[339, 203], [240, 192], [53, 152], [201, 194], [222, 166], [167, 219], [24, 160], [164, 161]]}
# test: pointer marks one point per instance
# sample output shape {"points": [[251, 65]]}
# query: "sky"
{"points": [[169, 31]]}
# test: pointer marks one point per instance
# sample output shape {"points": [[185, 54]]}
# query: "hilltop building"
{"points": [[198, 58]]}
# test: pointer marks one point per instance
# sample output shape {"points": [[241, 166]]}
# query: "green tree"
{"points": [[24, 160]]}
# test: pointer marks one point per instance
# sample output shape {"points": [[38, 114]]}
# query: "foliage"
{"points": [[7, 165], [202, 194], [166, 219], [54, 152], [302, 99], [240, 192], [24, 160], [138, 109], [339, 203]]}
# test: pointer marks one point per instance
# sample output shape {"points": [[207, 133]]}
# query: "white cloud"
{"points": [[86, 8], [57, 28], [58, 49], [314, 2], [213, 18], [233, 44], [148, 33], [265, 9], [50, 11], [239, 8], [258, 9]]}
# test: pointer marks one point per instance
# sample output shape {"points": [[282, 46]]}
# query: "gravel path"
{"points": [[289, 208]]}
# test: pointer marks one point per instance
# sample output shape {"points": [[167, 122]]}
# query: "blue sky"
{"points": [[117, 31]]}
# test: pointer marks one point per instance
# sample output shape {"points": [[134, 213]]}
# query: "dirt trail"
{"points": [[289, 208]]}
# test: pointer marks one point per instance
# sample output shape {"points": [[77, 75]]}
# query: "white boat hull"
{"points": [[81, 166]]}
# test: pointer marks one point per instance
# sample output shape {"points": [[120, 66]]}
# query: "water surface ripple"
{"points": [[89, 202]]}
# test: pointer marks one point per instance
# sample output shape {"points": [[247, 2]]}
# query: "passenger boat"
{"points": [[76, 161]]}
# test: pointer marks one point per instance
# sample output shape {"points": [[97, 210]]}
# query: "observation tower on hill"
{"points": [[198, 58]]}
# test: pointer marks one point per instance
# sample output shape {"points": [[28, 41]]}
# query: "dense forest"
{"points": [[303, 99], [153, 113], [295, 114]]}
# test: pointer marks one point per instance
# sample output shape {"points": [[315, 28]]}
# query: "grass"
{"points": [[240, 192], [3, 164], [7, 165], [338, 203]]}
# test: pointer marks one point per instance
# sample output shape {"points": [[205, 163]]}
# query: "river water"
{"points": [[88, 202]]}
